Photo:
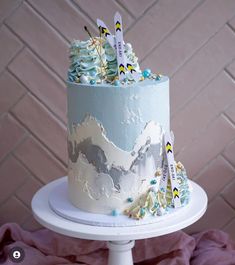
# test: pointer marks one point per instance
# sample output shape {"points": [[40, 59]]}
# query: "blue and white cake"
{"points": [[117, 117]]}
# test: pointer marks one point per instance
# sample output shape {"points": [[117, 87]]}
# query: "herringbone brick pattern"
{"points": [[192, 41]]}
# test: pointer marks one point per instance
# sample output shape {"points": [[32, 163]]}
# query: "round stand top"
{"points": [[49, 219]]}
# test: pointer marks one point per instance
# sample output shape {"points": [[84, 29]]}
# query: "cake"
{"points": [[120, 146]]}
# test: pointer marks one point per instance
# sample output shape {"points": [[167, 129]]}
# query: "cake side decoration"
{"points": [[105, 170], [120, 147], [171, 193], [172, 170]]}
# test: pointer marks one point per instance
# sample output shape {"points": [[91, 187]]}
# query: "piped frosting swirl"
{"points": [[87, 60], [94, 59]]}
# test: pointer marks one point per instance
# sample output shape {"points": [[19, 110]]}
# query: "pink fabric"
{"points": [[45, 247]]}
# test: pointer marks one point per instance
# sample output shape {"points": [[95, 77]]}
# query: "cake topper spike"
{"points": [[111, 40], [94, 43], [119, 46]]}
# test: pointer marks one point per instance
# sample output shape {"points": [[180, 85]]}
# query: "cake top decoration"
{"points": [[106, 59]]}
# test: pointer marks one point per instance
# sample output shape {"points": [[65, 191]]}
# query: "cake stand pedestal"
{"points": [[120, 239]]}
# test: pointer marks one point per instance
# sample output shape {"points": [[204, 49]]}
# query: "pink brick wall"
{"points": [[190, 40]]}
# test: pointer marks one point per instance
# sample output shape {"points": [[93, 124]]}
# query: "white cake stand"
{"points": [[120, 239]]}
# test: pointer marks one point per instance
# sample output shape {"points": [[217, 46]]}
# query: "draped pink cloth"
{"points": [[44, 247]]}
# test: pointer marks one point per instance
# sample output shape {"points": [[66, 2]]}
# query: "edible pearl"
{"points": [[130, 199], [92, 82], [117, 83], [114, 212], [146, 73], [83, 79], [153, 182]]}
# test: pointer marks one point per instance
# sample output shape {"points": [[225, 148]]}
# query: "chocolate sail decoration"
{"points": [[119, 46], [111, 40], [172, 170], [106, 33]]}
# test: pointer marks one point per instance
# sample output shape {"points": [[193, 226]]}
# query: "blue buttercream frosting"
{"points": [[123, 111]]}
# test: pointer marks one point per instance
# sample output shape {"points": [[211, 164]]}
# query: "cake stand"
{"points": [[120, 240]]}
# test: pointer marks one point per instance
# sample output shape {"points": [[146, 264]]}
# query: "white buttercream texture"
{"points": [[90, 128], [95, 184]]}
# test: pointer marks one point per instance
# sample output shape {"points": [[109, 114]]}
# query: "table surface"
{"points": [[49, 219]]}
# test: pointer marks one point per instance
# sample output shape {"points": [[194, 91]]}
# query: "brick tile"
{"points": [[203, 108], [10, 92], [195, 31], [12, 175], [229, 152], [27, 191], [44, 41], [105, 10], [221, 91], [231, 68], [157, 23], [39, 160], [231, 112], [216, 216], [203, 66], [216, 176], [232, 22], [52, 91], [31, 225], [230, 229], [64, 17], [6, 7], [43, 124], [13, 211], [229, 194], [11, 46], [136, 7], [183, 124], [11, 133], [208, 145]]}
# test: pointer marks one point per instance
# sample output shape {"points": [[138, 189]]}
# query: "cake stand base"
{"points": [[120, 252]]}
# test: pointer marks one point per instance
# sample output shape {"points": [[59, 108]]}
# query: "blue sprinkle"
{"points": [[158, 77], [92, 82], [117, 83], [114, 212], [142, 211], [156, 205], [153, 182], [93, 73], [146, 73], [130, 199]]}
